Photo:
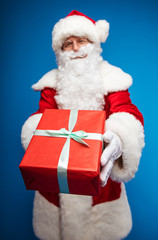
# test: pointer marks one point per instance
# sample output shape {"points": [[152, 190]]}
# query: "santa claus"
{"points": [[85, 81]]}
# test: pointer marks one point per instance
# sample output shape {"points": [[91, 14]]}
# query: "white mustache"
{"points": [[71, 55], [78, 56], [81, 53], [84, 53]]}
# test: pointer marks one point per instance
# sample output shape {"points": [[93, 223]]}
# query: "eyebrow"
{"points": [[68, 41]]}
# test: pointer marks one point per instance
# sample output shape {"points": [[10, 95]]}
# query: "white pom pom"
{"points": [[102, 29]]}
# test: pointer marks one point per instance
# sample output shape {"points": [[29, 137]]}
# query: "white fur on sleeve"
{"points": [[131, 132], [27, 129]]}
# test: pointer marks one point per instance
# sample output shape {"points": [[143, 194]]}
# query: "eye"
{"points": [[82, 40], [67, 44]]}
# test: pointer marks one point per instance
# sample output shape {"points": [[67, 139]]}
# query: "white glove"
{"points": [[112, 152]]}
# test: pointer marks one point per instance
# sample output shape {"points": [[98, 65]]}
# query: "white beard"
{"points": [[79, 83]]}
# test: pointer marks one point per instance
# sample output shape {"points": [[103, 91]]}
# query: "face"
{"points": [[74, 43]]}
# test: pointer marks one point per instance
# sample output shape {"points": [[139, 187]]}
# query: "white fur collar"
{"points": [[114, 79]]}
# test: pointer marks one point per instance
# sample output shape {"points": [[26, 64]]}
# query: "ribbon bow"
{"points": [[77, 136]]}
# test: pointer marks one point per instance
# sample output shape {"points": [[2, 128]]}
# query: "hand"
{"points": [[112, 152]]}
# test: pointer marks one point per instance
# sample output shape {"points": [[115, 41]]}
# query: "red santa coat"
{"points": [[107, 216]]}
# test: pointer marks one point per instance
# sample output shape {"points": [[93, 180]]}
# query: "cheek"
{"points": [[82, 45], [85, 44]]}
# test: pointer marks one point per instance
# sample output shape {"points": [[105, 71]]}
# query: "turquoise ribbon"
{"points": [[77, 136], [64, 156]]}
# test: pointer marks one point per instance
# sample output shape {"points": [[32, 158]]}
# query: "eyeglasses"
{"points": [[69, 44]]}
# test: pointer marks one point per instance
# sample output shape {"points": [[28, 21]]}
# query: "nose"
{"points": [[75, 46]]}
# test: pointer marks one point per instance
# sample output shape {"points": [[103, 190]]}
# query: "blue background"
{"points": [[26, 55]]}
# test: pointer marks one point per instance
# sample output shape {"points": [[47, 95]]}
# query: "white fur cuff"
{"points": [[131, 132], [27, 130]]}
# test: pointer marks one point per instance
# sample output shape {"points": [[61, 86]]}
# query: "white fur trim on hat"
{"points": [[28, 128], [79, 26], [131, 132], [102, 29]]}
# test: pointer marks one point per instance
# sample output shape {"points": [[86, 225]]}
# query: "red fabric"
{"points": [[75, 12], [110, 192], [51, 197], [47, 100], [115, 102], [121, 102]]}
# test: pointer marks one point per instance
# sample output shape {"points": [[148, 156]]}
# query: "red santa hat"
{"points": [[78, 24]]}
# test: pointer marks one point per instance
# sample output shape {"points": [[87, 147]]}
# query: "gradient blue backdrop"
{"points": [[26, 55]]}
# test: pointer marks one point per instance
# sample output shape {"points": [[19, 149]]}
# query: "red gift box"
{"points": [[43, 167]]}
